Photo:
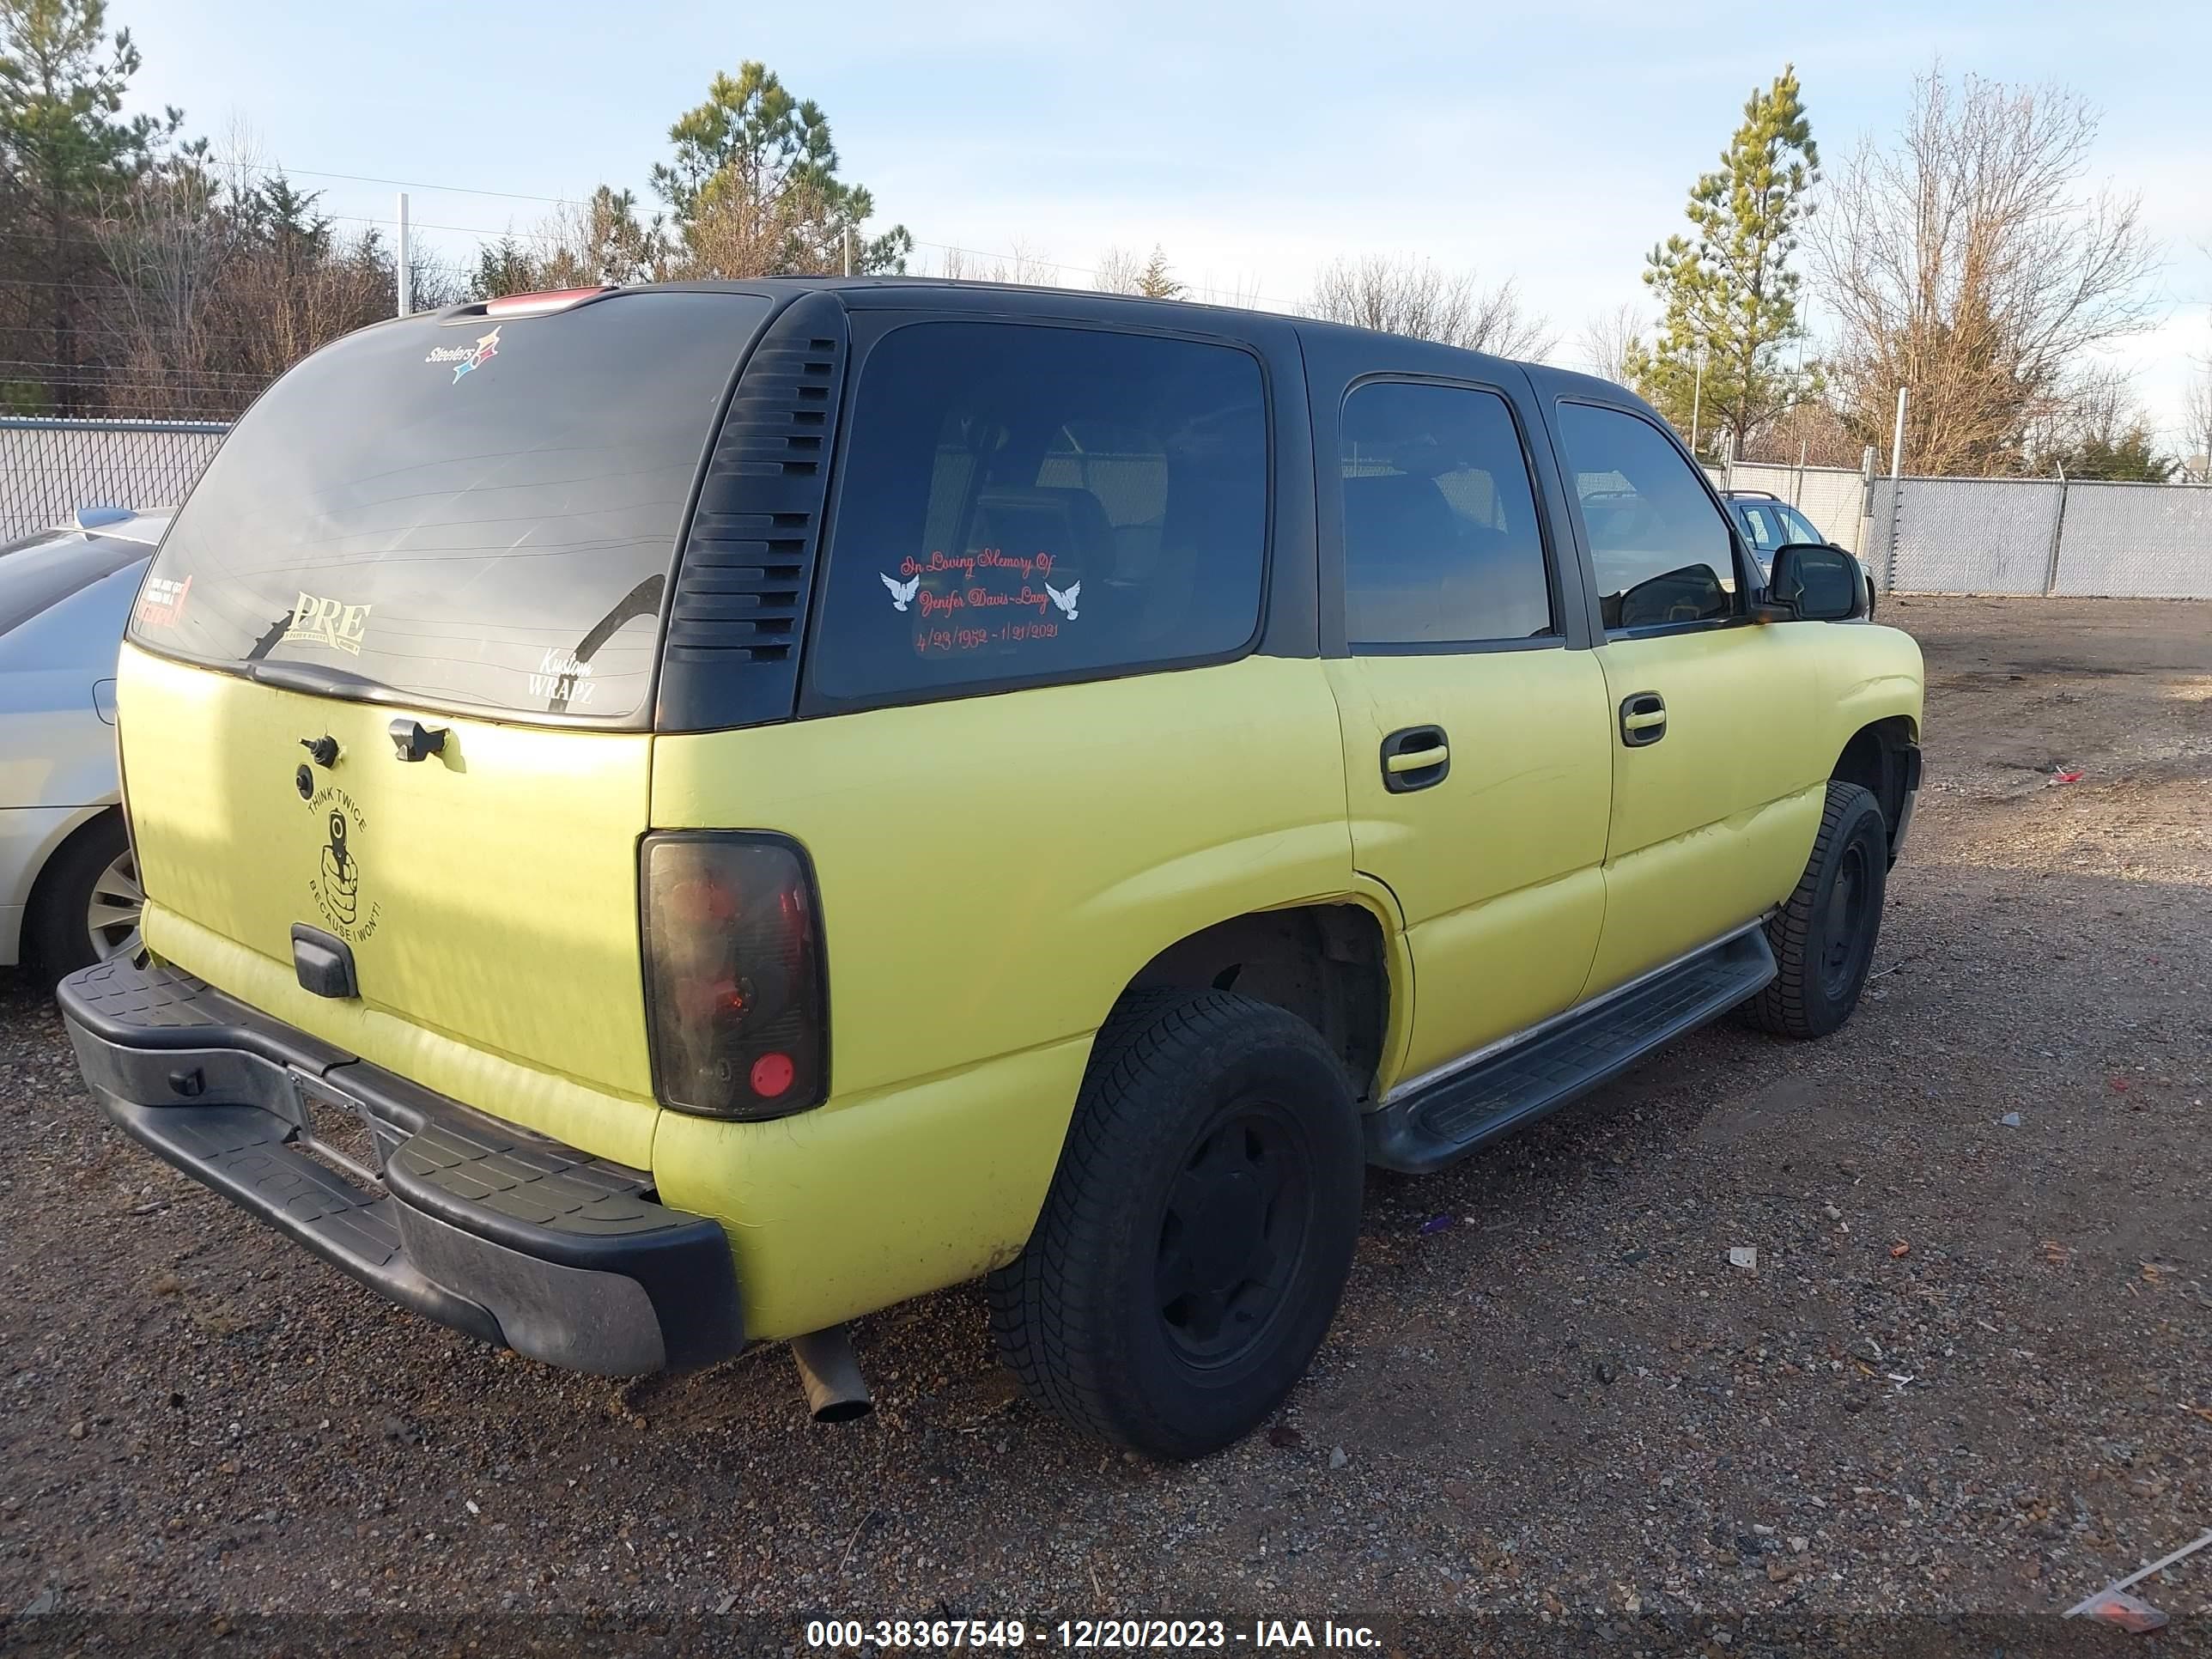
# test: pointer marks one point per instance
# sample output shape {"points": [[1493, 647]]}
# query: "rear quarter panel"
{"points": [[993, 871]]}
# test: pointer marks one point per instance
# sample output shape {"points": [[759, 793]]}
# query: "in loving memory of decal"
{"points": [[973, 594]]}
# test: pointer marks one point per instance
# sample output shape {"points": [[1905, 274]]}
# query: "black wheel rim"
{"points": [[1844, 930], [1232, 1236]]}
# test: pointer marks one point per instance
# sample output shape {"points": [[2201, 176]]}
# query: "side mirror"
{"points": [[1811, 581]]}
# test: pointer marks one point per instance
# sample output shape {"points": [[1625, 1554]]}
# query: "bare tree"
{"points": [[601, 239], [1606, 339], [1025, 265], [1117, 272], [1412, 296], [2197, 423], [1966, 263], [1810, 432]]}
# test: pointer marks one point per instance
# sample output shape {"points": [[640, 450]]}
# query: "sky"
{"points": [[1552, 143]]}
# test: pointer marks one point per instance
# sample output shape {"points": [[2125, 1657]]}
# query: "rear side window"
{"points": [[1441, 542], [1021, 502], [1660, 547], [479, 513]]}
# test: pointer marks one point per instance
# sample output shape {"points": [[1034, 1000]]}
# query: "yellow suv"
{"points": [[675, 818]]}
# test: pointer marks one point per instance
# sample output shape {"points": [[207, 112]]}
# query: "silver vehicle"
{"points": [[68, 890]]}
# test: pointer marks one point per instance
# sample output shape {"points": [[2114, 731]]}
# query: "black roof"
{"points": [[870, 293]]}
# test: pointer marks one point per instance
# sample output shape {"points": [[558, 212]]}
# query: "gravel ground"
{"points": [[1969, 1380]]}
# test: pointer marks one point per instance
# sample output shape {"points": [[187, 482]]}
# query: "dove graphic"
{"points": [[1065, 601], [901, 591]]}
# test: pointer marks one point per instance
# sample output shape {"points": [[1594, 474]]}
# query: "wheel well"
{"points": [[42, 880], [1875, 759], [1326, 964]]}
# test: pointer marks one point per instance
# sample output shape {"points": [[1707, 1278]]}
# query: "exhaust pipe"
{"points": [[836, 1390]]}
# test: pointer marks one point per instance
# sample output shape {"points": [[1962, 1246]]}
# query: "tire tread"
{"points": [[1047, 1313]]}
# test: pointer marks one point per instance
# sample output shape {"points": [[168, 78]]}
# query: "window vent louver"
{"points": [[739, 613]]}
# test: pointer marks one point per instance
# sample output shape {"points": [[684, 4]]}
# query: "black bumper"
{"points": [[481, 1225]]}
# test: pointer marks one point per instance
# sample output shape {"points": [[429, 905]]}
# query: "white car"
{"points": [[69, 887]]}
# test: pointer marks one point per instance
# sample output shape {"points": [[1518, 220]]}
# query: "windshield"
{"points": [[473, 513]]}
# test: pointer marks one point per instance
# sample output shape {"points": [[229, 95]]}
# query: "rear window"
{"points": [[481, 514], [1022, 502]]}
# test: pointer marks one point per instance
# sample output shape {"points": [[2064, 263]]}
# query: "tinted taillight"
{"points": [[735, 994]]}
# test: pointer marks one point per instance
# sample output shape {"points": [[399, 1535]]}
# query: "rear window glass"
{"points": [[481, 514], [1024, 502]]}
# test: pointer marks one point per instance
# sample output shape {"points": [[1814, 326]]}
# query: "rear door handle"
{"points": [[1415, 757], [1643, 718]]}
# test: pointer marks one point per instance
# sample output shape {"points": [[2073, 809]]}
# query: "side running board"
{"points": [[1444, 1121]]}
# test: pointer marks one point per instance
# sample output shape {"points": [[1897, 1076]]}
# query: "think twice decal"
{"points": [[465, 358], [335, 885]]}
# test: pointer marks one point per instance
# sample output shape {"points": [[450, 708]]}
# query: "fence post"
{"points": [[2057, 534]]}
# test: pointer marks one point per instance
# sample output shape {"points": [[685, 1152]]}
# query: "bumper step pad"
{"points": [[477, 1224]]}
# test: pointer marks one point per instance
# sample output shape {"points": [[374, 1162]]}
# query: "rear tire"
{"points": [[81, 910], [1824, 938], [1198, 1230]]}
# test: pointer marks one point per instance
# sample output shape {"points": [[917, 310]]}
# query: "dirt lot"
{"points": [[1970, 1376]]}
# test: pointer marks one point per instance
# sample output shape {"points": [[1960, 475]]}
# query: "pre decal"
{"points": [[328, 621]]}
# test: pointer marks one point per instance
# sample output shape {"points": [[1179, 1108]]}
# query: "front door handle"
{"points": [[1643, 718], [1415, 757]]}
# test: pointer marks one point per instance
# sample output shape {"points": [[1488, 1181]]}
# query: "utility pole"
{"points": [[406, 279], [1696, 398], [1897, 442], [845, 241]]}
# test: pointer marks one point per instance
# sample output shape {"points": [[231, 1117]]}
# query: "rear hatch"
{"points": [[466, 522]]}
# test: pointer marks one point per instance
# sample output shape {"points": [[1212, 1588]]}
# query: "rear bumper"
{"points": [[480, 1226]]}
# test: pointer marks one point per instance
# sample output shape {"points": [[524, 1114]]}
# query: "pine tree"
{"points": [[1730, 294], [65, 148], [1156, 281], [754, 189], [505, 267]]}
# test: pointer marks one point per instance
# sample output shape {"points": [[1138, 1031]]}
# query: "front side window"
{"points": [[1441, 539], [1021, 501], [1660, 547], [1762, 524]]}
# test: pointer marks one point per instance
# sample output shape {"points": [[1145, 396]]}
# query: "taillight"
{"points": [[736, 1000]]}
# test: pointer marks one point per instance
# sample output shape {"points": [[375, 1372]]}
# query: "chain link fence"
{"points": [[1833, 497], [49, 468], [2009, 536], [2041, 537]]}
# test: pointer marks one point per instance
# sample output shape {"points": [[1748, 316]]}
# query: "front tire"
{"points": [[1824, 938], [1198, 1230]]}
